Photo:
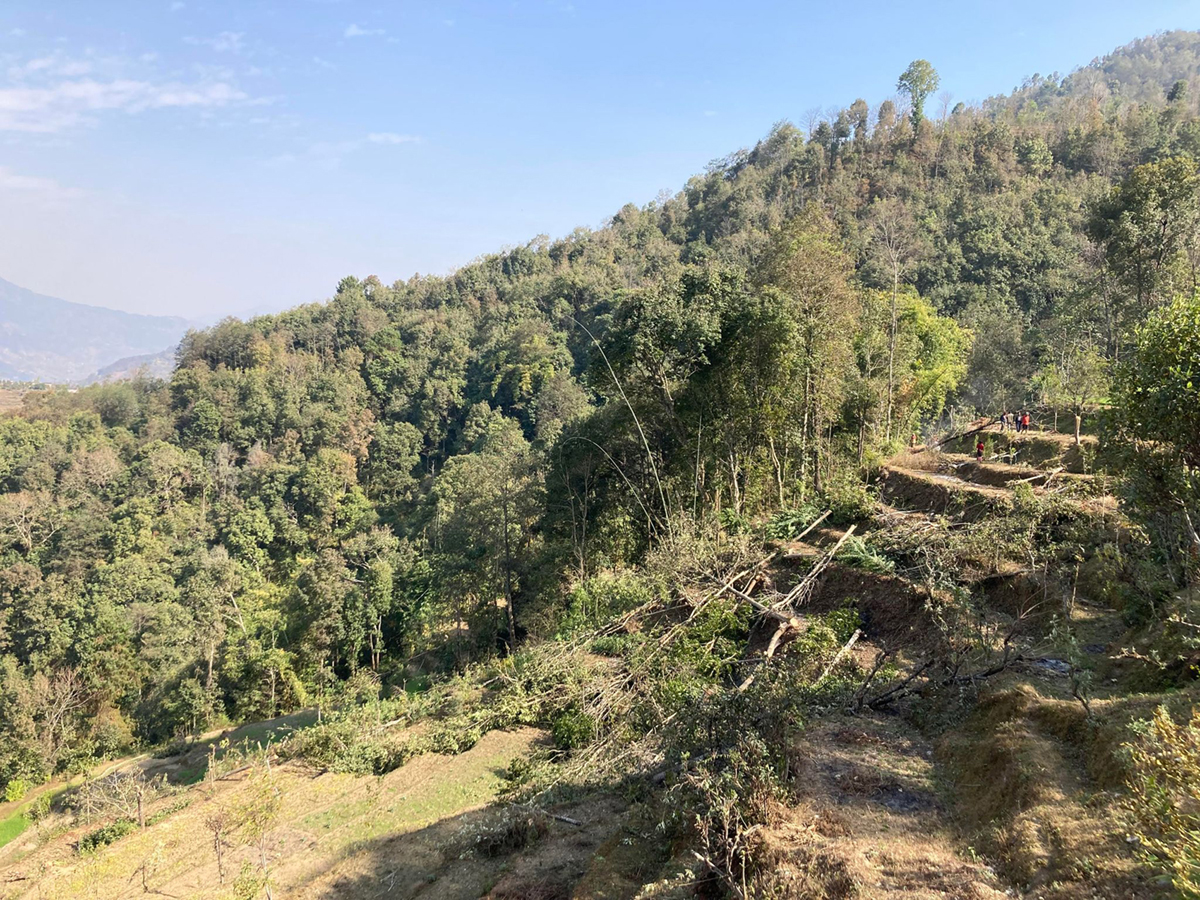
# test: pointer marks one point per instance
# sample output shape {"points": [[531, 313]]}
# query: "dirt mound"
{"points": [[935, 492], [892, 609]]}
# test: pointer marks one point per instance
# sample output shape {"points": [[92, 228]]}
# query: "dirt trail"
{"points": [[883, 814], [871, 823]]}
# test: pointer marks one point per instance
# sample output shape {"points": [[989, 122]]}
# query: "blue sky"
{"points": [[202, 157]]}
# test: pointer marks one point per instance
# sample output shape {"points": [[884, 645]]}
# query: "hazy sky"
{"points": [[199, 157]]}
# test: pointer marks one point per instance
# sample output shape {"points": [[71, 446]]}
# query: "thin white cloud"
{"points": [[56, 64], [17, 32], [46, 188], [225, 42], [68, 103], [177, 5], [331, 153], [353, 31], [387, 137], [324, 63]]}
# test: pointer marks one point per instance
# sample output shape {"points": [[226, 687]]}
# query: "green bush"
{"points": [[105, 835], [787, 523], [572, 729], [847, 498], [16, 789], [1164, 796], [600, 599], [37, 810], [339, 746], [858, 553], [617, 645], [249, 882], [733, 521]]}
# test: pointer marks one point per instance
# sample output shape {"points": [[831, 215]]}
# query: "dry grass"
{"points": [[1019, 774], [869, 823], [330, 832]]}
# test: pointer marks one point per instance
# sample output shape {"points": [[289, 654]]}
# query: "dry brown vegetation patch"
{"points": [[1021, 791], [868, 822]]}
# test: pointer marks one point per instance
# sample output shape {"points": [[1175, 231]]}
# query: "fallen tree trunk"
{"points": [[783, 612], [841, 654], [800, 592]]}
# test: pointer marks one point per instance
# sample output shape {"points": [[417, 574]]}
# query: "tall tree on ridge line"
{"points": [[918, 81]]}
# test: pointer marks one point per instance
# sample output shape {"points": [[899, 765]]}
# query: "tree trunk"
{"points": [[891, 382], [1078, 425], [735, 489], [508, 593], [262, 857], [804, 435], [775, 461], [1194, 537]]}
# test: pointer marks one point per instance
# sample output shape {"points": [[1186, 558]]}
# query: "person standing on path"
{"points": [[1004, 421], [979, 451], [1025, 422]]}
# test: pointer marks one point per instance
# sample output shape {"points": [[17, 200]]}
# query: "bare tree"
{"points": [[123, 795], [895, 243], [220, 822], [59, 697], [812, 118]]}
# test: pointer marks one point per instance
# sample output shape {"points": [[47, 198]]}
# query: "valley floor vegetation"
{"points": [[694, 548]]}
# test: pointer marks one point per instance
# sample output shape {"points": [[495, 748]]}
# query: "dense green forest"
{"points": [[413, 476]]}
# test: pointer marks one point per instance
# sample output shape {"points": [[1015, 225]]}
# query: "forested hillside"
{"points": [[414, 478]]}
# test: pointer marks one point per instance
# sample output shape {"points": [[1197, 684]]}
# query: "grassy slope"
{"points": [[329, 832]]}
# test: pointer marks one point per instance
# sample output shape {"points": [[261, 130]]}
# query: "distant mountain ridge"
{"points": [[47, 339], [150, 365]]}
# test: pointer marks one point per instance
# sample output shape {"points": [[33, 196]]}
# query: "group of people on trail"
{"points": [[1018, 421]]}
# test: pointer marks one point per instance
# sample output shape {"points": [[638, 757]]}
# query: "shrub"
{"points": [[339, 746], [614, 644], [858, 553], [249, 883], [787, 523], [847, 498], [513, 829], [733, 521], [37, 810], [601, 598], [105, 835], [1164, 782], [16, 789], [572, 729]]}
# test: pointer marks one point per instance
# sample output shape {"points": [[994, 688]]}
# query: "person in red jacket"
{"points": [[979, 450], [1025, 422]]}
